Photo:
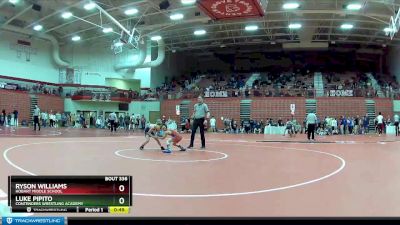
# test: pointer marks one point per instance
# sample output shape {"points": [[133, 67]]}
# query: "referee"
{"points": [[311, 125], [199, 116], [36, 115]]}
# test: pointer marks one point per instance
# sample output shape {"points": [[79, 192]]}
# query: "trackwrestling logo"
{"points": [[34, 220]]}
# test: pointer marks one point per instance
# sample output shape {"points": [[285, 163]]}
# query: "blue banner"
{"points": [[33, 220]]}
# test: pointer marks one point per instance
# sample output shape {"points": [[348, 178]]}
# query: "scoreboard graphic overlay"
{"points": [[70, 194]]}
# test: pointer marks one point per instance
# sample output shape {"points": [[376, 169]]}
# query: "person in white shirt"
{"points": [[44, 118], [132, 122], [379, 120], [98, 122], [51, 119], [334, 126], [213, 123]]}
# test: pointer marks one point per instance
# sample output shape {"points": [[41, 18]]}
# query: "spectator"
{"points": [[15, 117], [143, 122], [213, 124]]}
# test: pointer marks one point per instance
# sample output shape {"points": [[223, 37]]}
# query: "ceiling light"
{"points": [[387, 29], [131, 11], [251, 27], [89, 6], [38, 27], [176, 16], [188, 2], [107, 30], [354, 6], [346, 26], [199, 32], [156, 38], [118, 44], [295, 26], [76, 38], [66, 15], [291, 5], [13, 1]]}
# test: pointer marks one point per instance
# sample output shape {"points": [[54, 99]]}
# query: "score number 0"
{"points": [[121, 200]]}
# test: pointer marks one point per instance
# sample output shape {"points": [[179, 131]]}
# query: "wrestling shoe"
{"points": [[141, 147], [167, 151]]}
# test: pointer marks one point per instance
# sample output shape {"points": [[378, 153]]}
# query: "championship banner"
{"points": [[215, 94], [341, 93], [8, 86], [232, 9], [292, 108]]}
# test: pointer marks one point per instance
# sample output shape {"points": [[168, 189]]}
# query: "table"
{"points": [[274, 130], [391, 130]]}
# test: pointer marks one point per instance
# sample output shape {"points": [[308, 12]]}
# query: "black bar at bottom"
{"points": [[229, 221]]}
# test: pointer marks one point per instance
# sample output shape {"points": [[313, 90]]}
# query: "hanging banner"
{"points": [[215, 94], [292, 108], [341, 93], [232, 9]]}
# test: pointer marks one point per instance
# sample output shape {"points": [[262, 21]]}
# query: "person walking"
{"points": [[199, 116]]}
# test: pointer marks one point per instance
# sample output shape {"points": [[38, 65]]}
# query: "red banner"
{"points": [[231, 9]]}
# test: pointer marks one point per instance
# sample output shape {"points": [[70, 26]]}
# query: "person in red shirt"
{"points": [[174, 139]]}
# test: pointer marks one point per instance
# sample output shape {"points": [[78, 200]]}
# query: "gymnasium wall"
{"points": [[73, 106], [221, 108], [337, 107], [40, 67], [123, 84], [230, 108], [10, 100], [172, 66], [141, 108], [168, 108], [48, 102], [144, 108], [263, 108], [97, 61], [384, 105], [396, 106], [392, 61]]}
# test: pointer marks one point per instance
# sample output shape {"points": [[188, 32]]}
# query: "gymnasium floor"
{"points": [[237, 175]]}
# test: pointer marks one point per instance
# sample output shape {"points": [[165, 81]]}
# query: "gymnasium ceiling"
{"points": [[320, 19]]}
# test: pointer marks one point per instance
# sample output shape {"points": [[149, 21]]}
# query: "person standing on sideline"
{"points": [[366, 124], [396, 123], [36, 115], [15, 117], [213, 123], [379, 120], [199, 116], [112, 118], [311, 122]]}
